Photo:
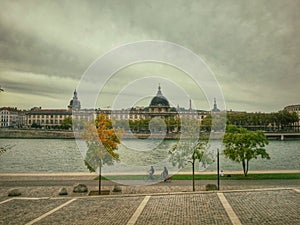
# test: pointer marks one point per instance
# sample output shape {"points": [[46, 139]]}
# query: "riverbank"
{"points": [[68, 134], [12, 133], [36, 134]]}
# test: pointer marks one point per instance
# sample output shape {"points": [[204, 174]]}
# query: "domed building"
{"points": [[159, 103], [74, 103]]}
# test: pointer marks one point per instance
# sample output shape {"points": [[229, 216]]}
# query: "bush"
{"points": [[211, 187]]}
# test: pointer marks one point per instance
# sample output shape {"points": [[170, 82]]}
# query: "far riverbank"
{"points": [[68, 134], [36, 134]]}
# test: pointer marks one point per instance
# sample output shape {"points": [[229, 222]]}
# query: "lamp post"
{"points": [[218, 168], [100, 165]]}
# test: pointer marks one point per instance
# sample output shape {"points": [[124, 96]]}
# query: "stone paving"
{"points": [[238, 202], [265, 206], [20, 211], [184, 209]]}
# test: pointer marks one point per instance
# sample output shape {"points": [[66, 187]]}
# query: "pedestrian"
{"points": [[222, 173], [165, 174], [151, 173]]}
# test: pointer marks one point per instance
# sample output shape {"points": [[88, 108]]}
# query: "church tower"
{"points": [[215, 109], [74, 103]]}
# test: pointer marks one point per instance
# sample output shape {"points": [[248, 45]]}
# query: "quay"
{"points": [[274, 202], [62, 134]]}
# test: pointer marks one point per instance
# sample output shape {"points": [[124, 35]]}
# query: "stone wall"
{"points": [[32, 133]]}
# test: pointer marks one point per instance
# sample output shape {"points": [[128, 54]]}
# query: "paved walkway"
{"points": [[273, 206], [238, 202]]}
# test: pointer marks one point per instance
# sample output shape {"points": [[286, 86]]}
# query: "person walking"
{"points": [[165, 174]]}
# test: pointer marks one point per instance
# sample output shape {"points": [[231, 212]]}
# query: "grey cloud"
{"points": [[250, 44], [25, 52]]}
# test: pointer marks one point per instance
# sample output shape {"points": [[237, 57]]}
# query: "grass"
{"points": [[271, 176]]}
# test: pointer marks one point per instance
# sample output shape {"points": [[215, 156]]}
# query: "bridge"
{"points": [[282, 135]]}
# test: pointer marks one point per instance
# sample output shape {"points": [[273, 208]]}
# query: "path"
{"points": [[268, 206]]}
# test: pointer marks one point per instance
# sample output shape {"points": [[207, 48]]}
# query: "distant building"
{"points": [[215, 109], [47, 118], [52, 118], [294, 108], [11, 117], [159, 106], [74, 103]]}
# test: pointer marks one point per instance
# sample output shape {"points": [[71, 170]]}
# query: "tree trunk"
{"points": [[247, 167], [193, 165], [244, 167]]}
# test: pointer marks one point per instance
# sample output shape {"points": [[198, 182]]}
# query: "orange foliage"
{"points": [[103, 133]]}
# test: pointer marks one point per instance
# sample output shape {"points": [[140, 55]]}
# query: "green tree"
{"points": [[186, 152], [206, 123], [66, 123], [242, 145], [190, 148], [102, 142], [285, 118]]}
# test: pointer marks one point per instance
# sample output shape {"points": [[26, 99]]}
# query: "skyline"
{"points": [[251, 47]]}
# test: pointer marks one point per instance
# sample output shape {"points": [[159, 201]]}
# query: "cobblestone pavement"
{"points": [[265, 206], [238, 202]]}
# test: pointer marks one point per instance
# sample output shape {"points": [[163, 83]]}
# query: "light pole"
{"points": [[100, 165], [218, 168]]}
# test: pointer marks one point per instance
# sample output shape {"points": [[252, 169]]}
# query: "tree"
{"points": [[285, 118], [185, 152], [190, 148], [242, 145], [206, 123], [102, 142], [66, 123]]}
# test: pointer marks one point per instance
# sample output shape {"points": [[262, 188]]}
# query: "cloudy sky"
{"points": [[252, 47]]}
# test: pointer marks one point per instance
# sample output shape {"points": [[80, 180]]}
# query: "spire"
{"points": [[215, 109], [190, 104], [75, 94], [159, 90]]}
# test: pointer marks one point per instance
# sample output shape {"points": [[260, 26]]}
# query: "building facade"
{"points": [[11, 117], [46, 118], [53, 118]]}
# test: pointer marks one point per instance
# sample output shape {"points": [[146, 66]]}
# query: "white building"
{"points": [[11, 117]]}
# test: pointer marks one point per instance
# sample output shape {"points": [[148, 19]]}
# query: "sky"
{"points": [[251, 47]]}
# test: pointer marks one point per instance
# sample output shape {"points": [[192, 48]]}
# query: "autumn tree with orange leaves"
{"points": [[102, 142]]}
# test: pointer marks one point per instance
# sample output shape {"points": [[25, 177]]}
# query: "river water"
{"points": [[61, 155]]}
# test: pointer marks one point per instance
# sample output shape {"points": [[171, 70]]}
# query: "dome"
{"points": [[159, 100], [74, 103]]}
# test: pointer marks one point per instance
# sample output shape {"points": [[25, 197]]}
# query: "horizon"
{"points": [[144, 106]]}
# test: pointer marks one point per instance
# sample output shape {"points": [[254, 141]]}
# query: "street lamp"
{"points": [[218, 168]]}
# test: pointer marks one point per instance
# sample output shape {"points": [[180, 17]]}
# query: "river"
{"points": [[61, 155]]}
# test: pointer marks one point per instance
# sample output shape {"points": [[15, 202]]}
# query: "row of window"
{"points": [[46, 116], [44, 122]]}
